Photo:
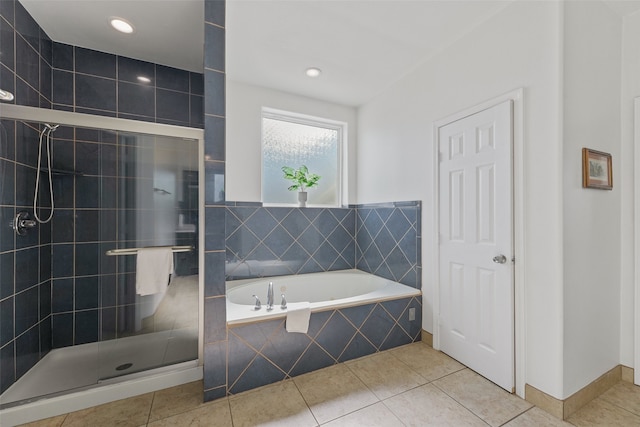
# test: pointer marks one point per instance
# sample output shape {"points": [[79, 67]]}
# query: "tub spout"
{"points": [[258, 304], [270, 297]]}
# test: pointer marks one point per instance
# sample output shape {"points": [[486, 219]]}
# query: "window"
{"points": [[294, 140]]}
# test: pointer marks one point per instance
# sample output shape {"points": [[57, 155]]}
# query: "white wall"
{"points": [[244, 133], [519, 47], [592, 240], [630, 90]]}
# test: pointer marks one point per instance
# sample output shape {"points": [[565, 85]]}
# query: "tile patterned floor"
{"points": [[412, 385]]}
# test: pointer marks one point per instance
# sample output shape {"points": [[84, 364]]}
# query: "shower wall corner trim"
{"points": [[21, 112]]}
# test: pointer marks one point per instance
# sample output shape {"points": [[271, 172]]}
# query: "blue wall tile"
{"points": [[86, 326], [27, 351], [173, 105], [26, 26], [215, 319], [6, 275], [172, 78], [7, 363], [29, 96], [214, 102], [7, 10], [95, 92], [259, 372], [136, 99], [26, 275], [214, 277], [27, 63], [129, 69], [214, 12], [63, 57], [26, 310], [214, 129], [215, 364], [336, 335], [95, 63], [6, 321], [196, 81], [214, 57], [62, 87], [86, 292], [62, 295]]}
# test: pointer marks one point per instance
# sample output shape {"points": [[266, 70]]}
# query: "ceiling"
{"points": [[361, 46]]}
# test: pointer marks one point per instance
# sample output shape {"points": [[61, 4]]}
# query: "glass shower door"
{"points": [[157, 205]]}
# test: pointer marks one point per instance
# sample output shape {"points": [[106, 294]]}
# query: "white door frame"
{"points": [[517, 96], [636, 239]]}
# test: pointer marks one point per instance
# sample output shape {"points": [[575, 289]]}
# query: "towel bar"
{"points": [[133, 251]]}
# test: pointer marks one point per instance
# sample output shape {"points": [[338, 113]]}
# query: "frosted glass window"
{"points": [[289, 141]]}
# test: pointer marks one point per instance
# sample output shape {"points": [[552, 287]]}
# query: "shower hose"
{"points": [[48, 129]]}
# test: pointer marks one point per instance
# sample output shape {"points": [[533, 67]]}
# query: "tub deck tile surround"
{"points": [[264, 352], [382, 239]]}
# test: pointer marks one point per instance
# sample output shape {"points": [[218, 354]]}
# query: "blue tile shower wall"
{"points": [[45, 74], [91, 82], [25, 261]]}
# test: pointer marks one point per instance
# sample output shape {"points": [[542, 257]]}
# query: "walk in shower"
{"points": [[73, 316]]}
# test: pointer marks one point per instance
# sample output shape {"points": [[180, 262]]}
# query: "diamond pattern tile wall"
{"points": [[264, 353], [388, 241], [383, 239], [269, 241]]}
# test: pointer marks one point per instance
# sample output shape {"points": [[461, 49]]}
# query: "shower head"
{"points": [[5, 96]]}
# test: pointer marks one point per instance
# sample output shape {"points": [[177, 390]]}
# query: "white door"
{"points": [[476, 321]]}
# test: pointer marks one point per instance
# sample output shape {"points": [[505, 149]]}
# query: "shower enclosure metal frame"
{"points": [[34, 114]]}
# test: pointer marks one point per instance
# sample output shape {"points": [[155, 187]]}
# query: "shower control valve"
{"points": [[21, 223]]}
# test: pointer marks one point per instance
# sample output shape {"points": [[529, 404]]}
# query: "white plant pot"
{"points": [[302, 199]]}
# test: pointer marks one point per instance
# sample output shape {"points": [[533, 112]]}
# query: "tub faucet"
{"points": [[258, 304], [270, 297]]}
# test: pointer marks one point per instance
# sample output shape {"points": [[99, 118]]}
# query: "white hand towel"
{"points": [[154, 266], [298, 314]]}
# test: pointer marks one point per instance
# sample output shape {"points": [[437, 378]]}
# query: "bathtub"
{"points": [[325, 291]]}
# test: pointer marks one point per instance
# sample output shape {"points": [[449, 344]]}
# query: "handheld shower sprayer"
{"points": [[48, 130]]}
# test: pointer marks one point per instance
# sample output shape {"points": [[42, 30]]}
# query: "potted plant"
{"points": [[302, 180]]}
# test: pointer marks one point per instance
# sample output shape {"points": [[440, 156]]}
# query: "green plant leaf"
{"points": [[301, 178]]}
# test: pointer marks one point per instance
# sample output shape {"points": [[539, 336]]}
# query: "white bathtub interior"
{"points": [[326, 290]]}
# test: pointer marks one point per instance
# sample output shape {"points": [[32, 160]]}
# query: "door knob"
{"points": [[500, 259]]}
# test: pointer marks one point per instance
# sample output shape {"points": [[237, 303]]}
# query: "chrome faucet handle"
{"points": [[258, 304], [283, 304]]}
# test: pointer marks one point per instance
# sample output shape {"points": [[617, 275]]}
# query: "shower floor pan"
{"points": [[71, 368]]}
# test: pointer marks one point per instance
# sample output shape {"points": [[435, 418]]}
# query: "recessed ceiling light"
{"points": [[121, 25], [144, 79], [313, 72]]}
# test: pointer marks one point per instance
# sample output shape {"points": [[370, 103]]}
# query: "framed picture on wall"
{"points": [[596, 170]]}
